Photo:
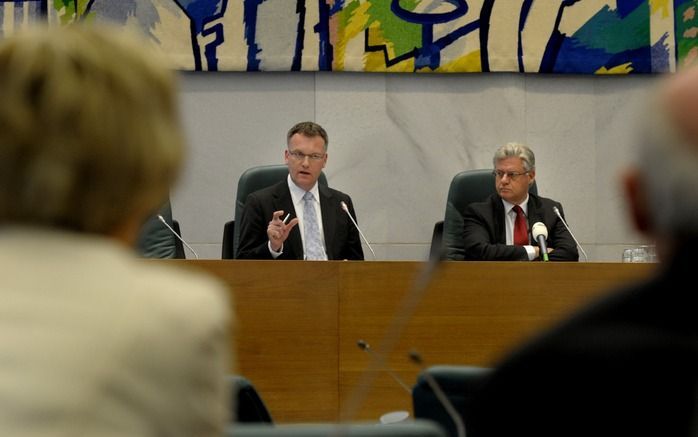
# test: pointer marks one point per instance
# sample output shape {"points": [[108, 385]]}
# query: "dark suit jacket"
{"points": [[484, 232], [341, 237], [626, 366]]}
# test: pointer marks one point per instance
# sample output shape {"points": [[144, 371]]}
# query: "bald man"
{"points": [[627, 365]]}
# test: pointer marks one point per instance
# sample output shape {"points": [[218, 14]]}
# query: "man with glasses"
{"points": [[298, 218], [499, 229]]}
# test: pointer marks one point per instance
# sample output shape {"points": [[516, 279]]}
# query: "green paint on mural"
{"points": [[609, 32], [404, 36], [70, 10], [347, 13], [686, 28]]}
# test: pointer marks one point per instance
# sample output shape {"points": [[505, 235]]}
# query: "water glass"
{"points": [[640, 254]]}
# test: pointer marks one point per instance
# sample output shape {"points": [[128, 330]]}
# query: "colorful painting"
{"points": [[423, 36]]}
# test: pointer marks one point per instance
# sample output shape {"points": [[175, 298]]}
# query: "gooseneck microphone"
{"points": [[367, 348], [356, 225], [416, 358], [581, 249], [540, 234], [164, 222]]}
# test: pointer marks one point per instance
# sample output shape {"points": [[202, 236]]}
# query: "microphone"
{"points": [[177, 235], [581, 249], [540, 234], [346, 209], [416, 358], [367, 348]]}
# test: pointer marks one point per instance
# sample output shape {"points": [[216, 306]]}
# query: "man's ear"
{"points": [[636, 195]]}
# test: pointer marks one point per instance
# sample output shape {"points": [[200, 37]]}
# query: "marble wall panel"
{"points": [[233, 121], [397, 140]]}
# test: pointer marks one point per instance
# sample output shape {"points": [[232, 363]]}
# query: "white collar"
{"points": [[524, 205], [298, 192]]}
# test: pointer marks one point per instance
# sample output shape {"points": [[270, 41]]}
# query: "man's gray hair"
{"points": [[516, 150], [669, 163]]}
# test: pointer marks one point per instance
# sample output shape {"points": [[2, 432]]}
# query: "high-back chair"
{"points": [[466, 187], [156, 240], [458, 383], [248, 404], [251, 180]]}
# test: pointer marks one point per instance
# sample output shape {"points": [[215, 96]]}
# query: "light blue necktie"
{"points": [[313, 243]]}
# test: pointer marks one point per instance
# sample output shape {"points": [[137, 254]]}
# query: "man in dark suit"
{"points": [[498, 229], [319, 228], [627, 365]]}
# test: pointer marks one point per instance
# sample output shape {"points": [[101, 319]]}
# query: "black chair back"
{"points": [[156, 241], [466, 187], [458, 383], [251, 180], [248, 404]]}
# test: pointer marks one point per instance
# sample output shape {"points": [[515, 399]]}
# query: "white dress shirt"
{"points": [[297, 194]]}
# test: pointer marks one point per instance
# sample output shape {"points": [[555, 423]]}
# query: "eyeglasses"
{"points": [[300, 156], [512, 175]]}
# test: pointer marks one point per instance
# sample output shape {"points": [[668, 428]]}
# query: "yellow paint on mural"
{"points": [[663, 5], [470, 63], [358, 21], [618, 69], [375, 62], [357, 24]]}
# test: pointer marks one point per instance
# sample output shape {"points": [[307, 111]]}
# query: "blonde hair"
{"points": [[89, 128]]}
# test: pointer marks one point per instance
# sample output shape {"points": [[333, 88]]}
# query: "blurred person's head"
{"points": [[306, 154], [89, 131], [514, 170], [663, 188]]}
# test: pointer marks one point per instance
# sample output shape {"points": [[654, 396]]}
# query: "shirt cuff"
{"points": [[530, 250], [275, 254]]}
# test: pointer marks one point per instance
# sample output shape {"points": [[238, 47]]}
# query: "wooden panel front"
{"points": [[298, 322], [472, 313], [287, 331]]}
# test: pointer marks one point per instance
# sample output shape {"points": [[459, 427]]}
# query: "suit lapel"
{"points": [[329, 209], [282, 200], [498, 219], [534, 210]]}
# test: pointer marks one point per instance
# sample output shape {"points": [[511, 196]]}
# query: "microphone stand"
{"points": [[439, 393], [164, 222], [402, 316]]}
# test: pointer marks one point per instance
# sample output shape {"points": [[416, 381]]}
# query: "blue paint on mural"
{"points": [[203, 15], [407, 35]]}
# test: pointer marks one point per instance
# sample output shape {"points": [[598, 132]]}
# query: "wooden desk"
{"points": [[298, 322]]}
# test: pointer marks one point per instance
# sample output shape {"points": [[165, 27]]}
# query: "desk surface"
{"points": [[298, 322]]}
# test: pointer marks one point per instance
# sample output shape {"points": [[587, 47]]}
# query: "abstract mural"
{"points": [[424, 36]]}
